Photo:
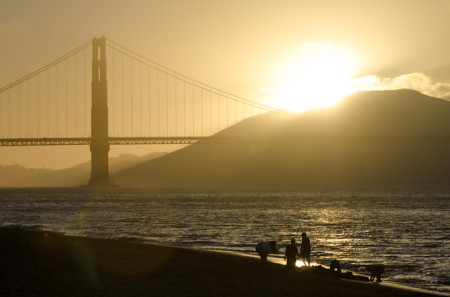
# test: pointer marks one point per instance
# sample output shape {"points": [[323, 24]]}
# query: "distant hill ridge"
{"points": [[369, 138], [19, 176]]}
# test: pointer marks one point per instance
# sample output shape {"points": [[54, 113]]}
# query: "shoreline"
{"points": [[387, 283], [36, 263], [234, 189]]}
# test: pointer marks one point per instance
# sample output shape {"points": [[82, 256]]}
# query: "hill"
{"points": [[18, 176], [369, 138]]}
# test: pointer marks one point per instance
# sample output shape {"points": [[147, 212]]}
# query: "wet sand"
{"points": [[47, 264]]}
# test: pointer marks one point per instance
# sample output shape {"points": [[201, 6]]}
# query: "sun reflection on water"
{"points": [[299, 264]]}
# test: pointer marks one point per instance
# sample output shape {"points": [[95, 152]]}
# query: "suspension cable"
{"points": [[167, 105], [46, 67], [75, 74], [149, 99], [140, 99], [199, 84]]}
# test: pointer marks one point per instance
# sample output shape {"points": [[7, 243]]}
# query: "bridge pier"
{"points": [[99, 117]]}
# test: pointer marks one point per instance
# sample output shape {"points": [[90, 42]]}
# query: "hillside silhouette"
{"points": [[19, 176], [369, 138]]}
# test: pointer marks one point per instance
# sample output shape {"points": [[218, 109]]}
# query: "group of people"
{"points": [[291, 253]]}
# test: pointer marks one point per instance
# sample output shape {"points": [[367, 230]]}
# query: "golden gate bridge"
{"points": [[79, 99]]}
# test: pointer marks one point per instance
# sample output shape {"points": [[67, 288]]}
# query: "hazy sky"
{"points": [[240, 46]]}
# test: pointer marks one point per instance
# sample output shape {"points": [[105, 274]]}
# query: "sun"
{"points": [[317, 75]]}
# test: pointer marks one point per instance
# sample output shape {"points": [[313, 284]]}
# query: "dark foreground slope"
{"points": [[370, 138], [45, 264]]}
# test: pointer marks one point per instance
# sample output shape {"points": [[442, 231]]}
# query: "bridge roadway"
{"points": [[87, 141], [442, 139]]}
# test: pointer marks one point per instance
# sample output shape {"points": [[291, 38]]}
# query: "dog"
{"points": [[375, 271], [335, 267]]}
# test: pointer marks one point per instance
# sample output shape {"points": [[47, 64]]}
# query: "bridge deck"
{"points": [[87, 141], [225, 139]]}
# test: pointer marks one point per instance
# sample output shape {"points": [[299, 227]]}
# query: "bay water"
{"points": [[405, 228]]}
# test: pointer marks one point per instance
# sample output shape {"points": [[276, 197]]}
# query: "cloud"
{"points": [[288, 99], [415, 81]]}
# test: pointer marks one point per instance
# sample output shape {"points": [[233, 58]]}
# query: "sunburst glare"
{"points": [[317, 75]]}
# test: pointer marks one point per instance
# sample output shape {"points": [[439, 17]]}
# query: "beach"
{"points": [[36, 263]]}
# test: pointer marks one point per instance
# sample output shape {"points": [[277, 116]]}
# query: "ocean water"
{"points": [[407, 229]]}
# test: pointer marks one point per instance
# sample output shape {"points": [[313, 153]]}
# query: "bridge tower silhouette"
{"points": [[99, 116]]}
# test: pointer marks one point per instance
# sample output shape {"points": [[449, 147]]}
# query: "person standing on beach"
{"points": [[305, 250], [290, 255], [265, 248]]}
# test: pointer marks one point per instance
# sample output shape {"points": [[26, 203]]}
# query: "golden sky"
{"points": [[240, 46]]}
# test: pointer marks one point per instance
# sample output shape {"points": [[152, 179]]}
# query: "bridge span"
{"points": [[101, 94]]}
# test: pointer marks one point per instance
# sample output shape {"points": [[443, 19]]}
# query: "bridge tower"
{"points": [[99, 117]]}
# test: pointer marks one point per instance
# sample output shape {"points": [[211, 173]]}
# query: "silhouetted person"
{"points": [[290, 255], [375, 271], [265, 248], [335, 266], [305, 250]]}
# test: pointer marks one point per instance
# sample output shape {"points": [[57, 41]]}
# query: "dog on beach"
{"points": [[335, 267], [375, 271]]}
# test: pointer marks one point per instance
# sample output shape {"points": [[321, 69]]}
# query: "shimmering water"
{"points": [[407, 229]]}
